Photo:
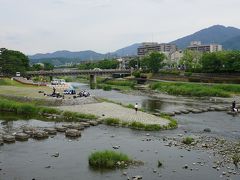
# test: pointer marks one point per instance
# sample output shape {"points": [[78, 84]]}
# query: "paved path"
{"points": [[116, 111]]}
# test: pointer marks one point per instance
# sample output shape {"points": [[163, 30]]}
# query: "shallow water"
{"points": [[27, 160], [148, 103]]}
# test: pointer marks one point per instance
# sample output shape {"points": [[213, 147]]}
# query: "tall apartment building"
{"points": [[198, 46], [147, 47]]}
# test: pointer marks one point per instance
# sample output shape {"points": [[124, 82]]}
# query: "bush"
{"points": [[137, 125], [112, 121], [187, 140], [188, 74], [136, 74], [107, 88], [152, 127], [108, 159]]}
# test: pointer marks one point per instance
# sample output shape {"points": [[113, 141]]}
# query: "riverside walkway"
{"points": [[110, 110]]}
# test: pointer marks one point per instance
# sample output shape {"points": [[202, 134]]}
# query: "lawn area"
{"points": [[11, 87], [196, 89], [9, 82]]}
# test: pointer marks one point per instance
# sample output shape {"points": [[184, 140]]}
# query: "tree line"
{"points": [[214, 62]]}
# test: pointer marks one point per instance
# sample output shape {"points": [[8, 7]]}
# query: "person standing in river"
{"points": [[136, 107], [234, 109]]}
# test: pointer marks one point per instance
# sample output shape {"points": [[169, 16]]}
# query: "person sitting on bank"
{"points": [[234, 109]]}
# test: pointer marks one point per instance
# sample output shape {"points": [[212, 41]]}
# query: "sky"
{"points": [[41, 26]]}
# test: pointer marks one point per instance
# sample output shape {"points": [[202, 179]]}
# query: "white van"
{"points": [[18, 74]]}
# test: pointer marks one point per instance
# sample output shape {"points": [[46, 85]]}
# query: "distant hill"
{"points": [[127, 51], [232, 43], [68, 54], [62, 57], [214, 34], [229, 37]]}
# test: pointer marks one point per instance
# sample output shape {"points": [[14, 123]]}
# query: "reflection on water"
{"points": [[147, 103]]}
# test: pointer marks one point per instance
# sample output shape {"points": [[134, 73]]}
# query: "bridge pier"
{"points": [[93, 81]]}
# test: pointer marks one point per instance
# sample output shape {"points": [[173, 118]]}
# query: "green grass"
{"points": [[172, 124], [112, 121], [9, 82], [198, 90], [145, 127], [187, 140], [74, 116], [121, 85], [108, 160], [32, 110]]}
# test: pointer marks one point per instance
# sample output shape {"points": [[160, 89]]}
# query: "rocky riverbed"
{"points": [[209, 156]]}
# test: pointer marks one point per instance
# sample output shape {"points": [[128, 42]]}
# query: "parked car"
{"points": [[69, 91], [58, 82]]}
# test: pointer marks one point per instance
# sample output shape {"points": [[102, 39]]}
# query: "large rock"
{"points": [[85, 124], [93, 123], [196, 111], [8, 139], [219, 108], [29, 130], [78, 126], [61, 128], [184, 111], [21, 137], [72, 133], [39, 134], [51, 131]]}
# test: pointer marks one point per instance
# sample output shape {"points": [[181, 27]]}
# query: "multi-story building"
{"points": [[147, 47], [198, 46]]}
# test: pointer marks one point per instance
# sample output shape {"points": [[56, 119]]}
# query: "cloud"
{"points": [[103, 25]]}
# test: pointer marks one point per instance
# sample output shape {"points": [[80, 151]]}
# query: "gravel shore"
{"points": [[110, 110]]}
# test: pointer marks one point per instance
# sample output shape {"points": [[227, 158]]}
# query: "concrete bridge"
{"points": [[91, 73]]}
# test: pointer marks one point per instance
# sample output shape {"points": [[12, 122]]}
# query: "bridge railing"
{"points": [[59, 72]]}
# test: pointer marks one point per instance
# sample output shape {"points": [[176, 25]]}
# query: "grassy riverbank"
{"points": [[9, 82], [32, 110], [198, 90]]}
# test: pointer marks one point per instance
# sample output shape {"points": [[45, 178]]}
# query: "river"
{"points": [[33, 159]]}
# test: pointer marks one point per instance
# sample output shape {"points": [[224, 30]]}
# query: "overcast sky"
{"points": [[40, 26]]}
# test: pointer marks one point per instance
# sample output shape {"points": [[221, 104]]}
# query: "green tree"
{"points": [[13, 61], [48, 66], [211, 62], [37, 67], [153, 61], [134, 63], [191, 59]]}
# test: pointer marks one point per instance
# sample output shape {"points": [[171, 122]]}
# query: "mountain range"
{"points": [[229, 37]]}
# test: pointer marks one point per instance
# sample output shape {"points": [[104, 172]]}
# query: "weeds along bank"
{"points": [[198, 90], [33, 110]]}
